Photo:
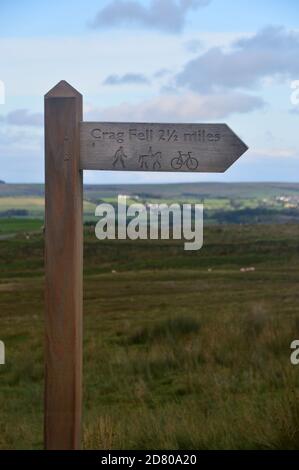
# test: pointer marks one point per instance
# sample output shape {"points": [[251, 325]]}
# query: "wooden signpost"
{"points": [[72, 146], [158, 147]]}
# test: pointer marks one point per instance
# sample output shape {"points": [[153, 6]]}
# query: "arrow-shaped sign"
{"points": [[158, 147]]}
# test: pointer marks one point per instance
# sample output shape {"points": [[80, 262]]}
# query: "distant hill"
{"points": [[194, 190], [223, 202]]}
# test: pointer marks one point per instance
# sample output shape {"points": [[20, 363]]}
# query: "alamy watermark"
{"points": [[294, 97], [2, 353], [151, 221], [2, 92], [294, 357]]}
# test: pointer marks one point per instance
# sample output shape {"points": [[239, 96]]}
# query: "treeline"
{"points": [[252, 215]]}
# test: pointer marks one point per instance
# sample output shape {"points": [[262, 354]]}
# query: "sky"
{"points": [[226, 61]]}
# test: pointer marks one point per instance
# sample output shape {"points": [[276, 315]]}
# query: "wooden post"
{"points": [[63, 268]]}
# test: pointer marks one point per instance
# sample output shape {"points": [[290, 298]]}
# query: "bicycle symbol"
{"points": [[190, 162]]}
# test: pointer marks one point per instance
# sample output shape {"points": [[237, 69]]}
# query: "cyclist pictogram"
{"points": [[184, 159]]}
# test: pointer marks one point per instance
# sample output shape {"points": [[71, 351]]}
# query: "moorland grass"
{"points": [[181, 350]]}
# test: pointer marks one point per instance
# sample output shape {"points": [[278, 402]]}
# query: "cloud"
{"points": [[174, 107], [163, 15], [275, 152], [127, 79], [22, 117], [272, 53], [193, 45], [161, 73], [184, 107]]}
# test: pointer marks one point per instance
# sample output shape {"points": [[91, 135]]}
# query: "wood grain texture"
{"points": [[63, 268], [159, 147]]}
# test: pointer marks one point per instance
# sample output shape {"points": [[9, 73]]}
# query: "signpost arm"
{"points": [[63, 268]]}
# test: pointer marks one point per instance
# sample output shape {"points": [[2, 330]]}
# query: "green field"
{"points": [[13, 225], [182, 350]]}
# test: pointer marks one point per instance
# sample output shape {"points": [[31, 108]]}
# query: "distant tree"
{"points": [[14, 213]]}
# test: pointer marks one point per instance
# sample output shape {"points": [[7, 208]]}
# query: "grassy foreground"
{"points": [[182, 350]]}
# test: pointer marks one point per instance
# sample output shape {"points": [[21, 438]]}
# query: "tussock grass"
{"points": [[170, 328]]}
